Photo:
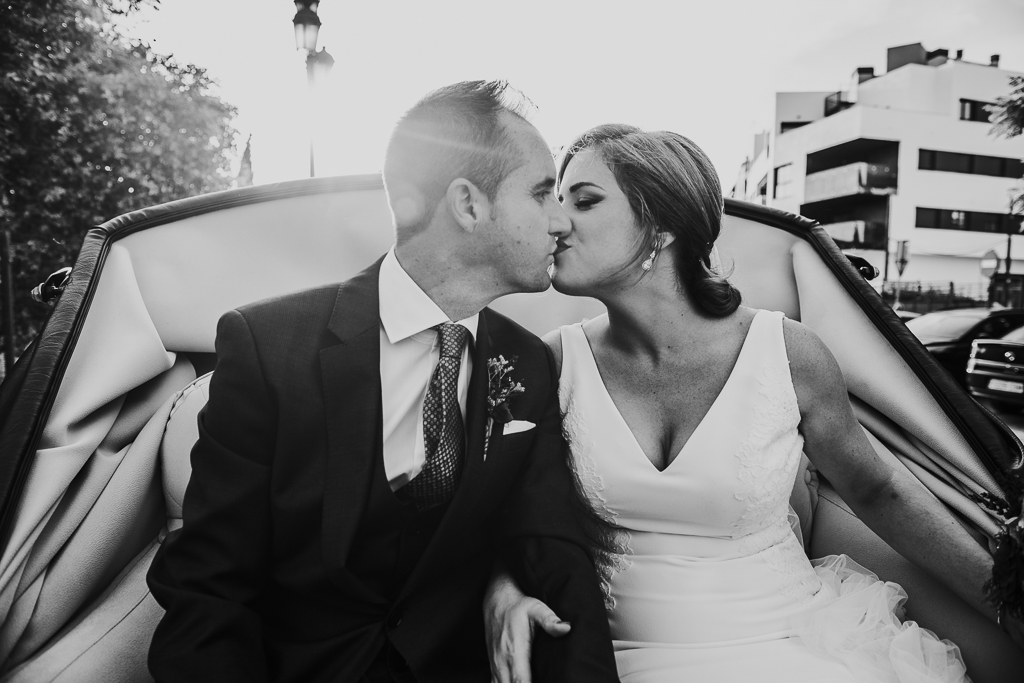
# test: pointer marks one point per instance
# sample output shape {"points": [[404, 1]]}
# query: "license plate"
{"points": [[1003, 385]]}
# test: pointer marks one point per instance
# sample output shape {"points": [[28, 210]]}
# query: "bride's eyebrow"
{"points": [[583, 183]]}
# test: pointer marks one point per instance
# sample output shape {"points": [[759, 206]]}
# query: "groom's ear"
{"points": [[467, 204]]}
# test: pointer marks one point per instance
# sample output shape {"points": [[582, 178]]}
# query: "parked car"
{"points": [[948, 334], [97, 417], [995, 370], [905, 315]]}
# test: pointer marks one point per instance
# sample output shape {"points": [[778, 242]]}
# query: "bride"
{"points": [[686, 415]]}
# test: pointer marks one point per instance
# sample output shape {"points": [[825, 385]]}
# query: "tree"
{"points": [[1008, 121], [93, 125]]}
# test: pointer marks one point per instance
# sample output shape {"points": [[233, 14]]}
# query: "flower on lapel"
{"points": [[501, 388]]}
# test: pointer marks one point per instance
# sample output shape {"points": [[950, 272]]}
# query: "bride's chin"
{"points": [[564, 285]]}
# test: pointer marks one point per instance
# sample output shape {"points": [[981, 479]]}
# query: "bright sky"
{"points": [[708, 70]]}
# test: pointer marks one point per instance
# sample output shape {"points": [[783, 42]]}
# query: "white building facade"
{"points": [[908, 155]]}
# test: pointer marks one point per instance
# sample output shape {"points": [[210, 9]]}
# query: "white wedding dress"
{"points": [[712, 584]]}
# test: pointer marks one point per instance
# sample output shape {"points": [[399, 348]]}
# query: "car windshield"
{"points": [[1016, 336], [945, 325]]}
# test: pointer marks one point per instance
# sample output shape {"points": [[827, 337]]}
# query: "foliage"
{"points": [[1008, 121], [1008, 111], [93, 125]]}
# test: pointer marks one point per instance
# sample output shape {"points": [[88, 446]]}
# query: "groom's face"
{"points": [[526, 217]]}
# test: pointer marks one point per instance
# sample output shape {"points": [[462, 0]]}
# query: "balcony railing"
{"points": [[852, 179], [836, 102], [857, 234]]}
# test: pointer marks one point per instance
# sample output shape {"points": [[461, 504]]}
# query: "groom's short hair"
{"points": [[453, 132]]}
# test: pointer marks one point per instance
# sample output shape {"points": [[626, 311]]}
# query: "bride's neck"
{"points": [[653, 318]]}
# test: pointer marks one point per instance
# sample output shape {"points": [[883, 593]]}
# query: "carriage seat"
{"points": [[827, 524], [180, 434], [834, 529]]}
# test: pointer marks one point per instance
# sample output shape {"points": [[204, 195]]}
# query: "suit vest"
{"points": [[391, 537]]}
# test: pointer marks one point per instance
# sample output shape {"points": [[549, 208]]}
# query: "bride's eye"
{"points": [[584, 203]]}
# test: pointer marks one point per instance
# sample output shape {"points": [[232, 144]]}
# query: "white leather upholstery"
{"points": [[180, 434], [109, 641]]}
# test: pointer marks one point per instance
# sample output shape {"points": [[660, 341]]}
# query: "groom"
{"points": [[368, 449]]}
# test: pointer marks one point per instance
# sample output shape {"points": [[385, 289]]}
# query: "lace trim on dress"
{"points": [[770, 454], [768, 461], [575, 432]]}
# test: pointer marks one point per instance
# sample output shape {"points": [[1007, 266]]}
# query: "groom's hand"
{"points": [[510, 620]]}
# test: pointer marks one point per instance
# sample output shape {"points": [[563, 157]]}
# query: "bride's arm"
{"points": [[894, 506], [510, 619]]}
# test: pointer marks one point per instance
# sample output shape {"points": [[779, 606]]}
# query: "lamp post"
{"points": [[318, 64], [1011, 229]]}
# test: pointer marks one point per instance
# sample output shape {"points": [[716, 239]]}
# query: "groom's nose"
{"points": [[560, 223]]}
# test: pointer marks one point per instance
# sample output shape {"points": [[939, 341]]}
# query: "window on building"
{"points": [[984, 165], [988, 222], [974, 110], [927, 218], [784, 181], [972, 221], [978, 164], [953, 162], [787, 126]]}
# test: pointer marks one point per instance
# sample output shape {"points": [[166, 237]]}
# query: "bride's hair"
{"points": [[672, 187]]}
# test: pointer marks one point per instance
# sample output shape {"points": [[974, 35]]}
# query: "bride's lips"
{"points": [[560, 247]]}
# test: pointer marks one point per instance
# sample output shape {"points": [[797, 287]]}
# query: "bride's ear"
{"points": [[665, 238]]}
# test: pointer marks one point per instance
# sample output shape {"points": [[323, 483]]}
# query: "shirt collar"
{"points": [[405, 309]]}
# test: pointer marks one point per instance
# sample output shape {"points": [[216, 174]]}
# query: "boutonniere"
{"points": [[500, 389]]}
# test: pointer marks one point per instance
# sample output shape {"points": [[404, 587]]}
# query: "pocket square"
{"points": [[516, 426]]}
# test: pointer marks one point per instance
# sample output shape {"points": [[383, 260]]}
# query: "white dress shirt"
{"points": [[409, 351]]}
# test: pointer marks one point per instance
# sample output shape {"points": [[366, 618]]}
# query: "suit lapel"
{"points": [[350, 371], [469, 494]]}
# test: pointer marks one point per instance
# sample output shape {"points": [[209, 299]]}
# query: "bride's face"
{"points": [[599, 249]]}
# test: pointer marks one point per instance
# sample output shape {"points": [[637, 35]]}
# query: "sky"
{"points": [[708, 70]]}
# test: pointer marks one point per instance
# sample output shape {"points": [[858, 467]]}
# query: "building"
{"points": [[907, 155]]}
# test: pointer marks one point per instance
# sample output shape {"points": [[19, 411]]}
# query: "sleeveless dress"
{"points": [[711, 584]]}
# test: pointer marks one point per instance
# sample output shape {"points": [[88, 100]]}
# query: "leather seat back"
{"points": [[181, 432]]}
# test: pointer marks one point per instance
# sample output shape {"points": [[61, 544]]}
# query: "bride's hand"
{"points": [[510, 619]]}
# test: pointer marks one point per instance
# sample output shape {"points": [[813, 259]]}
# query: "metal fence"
{"points": [[923, 297]]}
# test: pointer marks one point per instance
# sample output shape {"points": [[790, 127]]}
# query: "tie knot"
{"points": [[453, 338]]}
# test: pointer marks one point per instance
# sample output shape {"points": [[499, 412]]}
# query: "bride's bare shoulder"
{"points": [[553, 339]]}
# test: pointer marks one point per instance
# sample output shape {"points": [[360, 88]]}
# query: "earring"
{"points": [[649, 263]]}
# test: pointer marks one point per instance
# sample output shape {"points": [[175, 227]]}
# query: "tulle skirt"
{"points": [[850, 631], [859, 623]]}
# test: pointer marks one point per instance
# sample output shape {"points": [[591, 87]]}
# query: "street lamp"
{"points": [[307, 24], [318, 64], [1011, 229]]}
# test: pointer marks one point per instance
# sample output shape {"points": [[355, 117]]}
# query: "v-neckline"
{"points": [[689, 439]]}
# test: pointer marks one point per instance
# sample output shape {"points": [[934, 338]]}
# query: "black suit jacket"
{"points": [[255, 584]]}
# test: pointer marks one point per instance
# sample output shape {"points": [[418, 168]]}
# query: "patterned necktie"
{"points": [[442, 425]]}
